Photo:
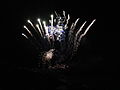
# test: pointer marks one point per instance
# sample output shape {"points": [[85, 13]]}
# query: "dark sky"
{"points": [[94, 69]]}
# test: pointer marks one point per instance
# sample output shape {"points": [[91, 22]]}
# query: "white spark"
{"points": [[28, 30], [52, 21], [89, 26], [67, 21], [64, 14], [81, 28], [71, 26], [24, 35], [76, 22], [39, 29], [56, 14], [39, 21], [30, 23], [46, 29], [86, 30]]}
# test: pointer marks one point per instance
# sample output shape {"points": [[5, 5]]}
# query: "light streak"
{"points": [[67, 21], [25, 35], [28, 30], [89, 26], [39, 21], [81, 28], [45, 27], [30, 23], [59, 38], [52, 21], [39, 29]]}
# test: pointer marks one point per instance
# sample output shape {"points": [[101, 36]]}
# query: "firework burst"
{"points": [[56, 41]]}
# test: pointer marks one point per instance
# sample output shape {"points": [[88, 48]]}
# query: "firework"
{"points": [[58, 41]]}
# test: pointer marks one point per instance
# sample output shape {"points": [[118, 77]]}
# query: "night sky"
{"points": [[90, 70]]}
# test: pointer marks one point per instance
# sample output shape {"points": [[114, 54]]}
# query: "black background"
{"points": [[93, 72]]}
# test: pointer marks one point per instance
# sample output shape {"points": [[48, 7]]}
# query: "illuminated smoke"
{"points": [[48, 56], [57, 39]]}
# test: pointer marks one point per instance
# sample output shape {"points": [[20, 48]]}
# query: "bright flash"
{"points": [[52, 15]]}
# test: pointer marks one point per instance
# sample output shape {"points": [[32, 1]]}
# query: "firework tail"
{"points": [[25, 36], [56, 14], [51, 21], [80, 29], [32, 26], [71, 35], [28, 31], [36, 47], [78, 38], [33, 38], [89, 27], [41, 27], [67, 21], [64, 13], [86, 30], [39, 30], [74, 41]]}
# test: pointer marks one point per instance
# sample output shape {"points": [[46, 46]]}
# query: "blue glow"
{"points": [[57, 32]]}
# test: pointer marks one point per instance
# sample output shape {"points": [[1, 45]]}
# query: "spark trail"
{"points": [[58, 40]]}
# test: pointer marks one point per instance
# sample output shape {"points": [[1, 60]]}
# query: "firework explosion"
{"points": [[56, 41]]}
